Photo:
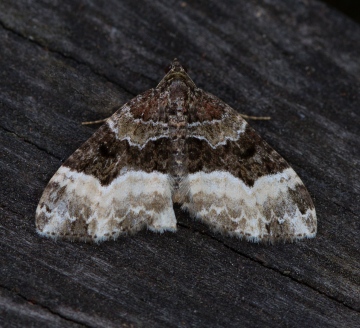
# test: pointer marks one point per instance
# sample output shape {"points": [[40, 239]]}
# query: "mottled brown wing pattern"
{"points": [[117, 182], [238, 184]]}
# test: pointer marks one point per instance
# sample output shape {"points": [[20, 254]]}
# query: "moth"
{"points": [[176, 144]]}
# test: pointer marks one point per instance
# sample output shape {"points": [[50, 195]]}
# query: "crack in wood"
{"points": [[31, 143], [44, 307], [269, 267]]}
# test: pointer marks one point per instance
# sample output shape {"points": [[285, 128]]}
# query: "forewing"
{"points": [[237, 183], [116, 182]]}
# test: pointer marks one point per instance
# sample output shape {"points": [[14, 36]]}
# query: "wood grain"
{"points": [[62, 63]]}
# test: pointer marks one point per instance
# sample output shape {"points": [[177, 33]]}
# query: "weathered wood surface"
{"points": [[64, 62]]}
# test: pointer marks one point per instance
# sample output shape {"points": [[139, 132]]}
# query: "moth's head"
{"points": [[176, 72], [175, 66]]}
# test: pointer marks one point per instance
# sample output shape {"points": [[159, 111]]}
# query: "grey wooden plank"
{"points": [[15, 311], [61, 65]]}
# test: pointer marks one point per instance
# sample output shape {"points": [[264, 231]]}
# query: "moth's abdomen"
{"points": [[178, 95]]}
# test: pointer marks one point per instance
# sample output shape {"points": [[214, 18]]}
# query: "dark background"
{"points": [[349, 7]]}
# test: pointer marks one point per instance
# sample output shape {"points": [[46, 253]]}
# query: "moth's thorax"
{"points": [[178, 96]]}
